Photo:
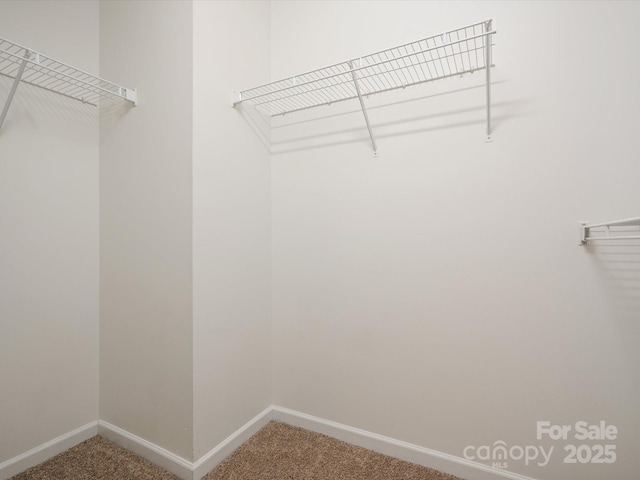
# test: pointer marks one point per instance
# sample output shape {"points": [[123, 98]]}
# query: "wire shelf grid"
{"points": [[452, 53], [52, 75]]}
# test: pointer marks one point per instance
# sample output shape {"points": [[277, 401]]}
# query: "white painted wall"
{"points": [[48, 236], [437, 294], [231, 222], [146, 354]]}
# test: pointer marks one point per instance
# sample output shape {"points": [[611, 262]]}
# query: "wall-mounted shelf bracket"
{"points": [[450, 54], [488, 25], [625, 229], [131, 95], [364, 109], [14, 87], [25, 65], [236, 98]]}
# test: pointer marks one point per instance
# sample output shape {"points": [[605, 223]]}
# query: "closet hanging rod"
{"points": [[454, 52], [23, 64], [586, 233]]}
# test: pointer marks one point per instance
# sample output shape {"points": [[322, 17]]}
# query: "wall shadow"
{"points": [[347, 122], [36, 107], [618, 264], [259, 123]]}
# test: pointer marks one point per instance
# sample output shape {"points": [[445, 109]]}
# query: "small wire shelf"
{"points": [[452, 53], [30, 67], [625, 229]]}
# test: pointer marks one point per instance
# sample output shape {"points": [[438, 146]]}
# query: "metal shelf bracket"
{"points": [[364, 109], [488, 26], [14, 87]]}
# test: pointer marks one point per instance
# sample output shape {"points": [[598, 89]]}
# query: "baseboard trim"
{"points": [[187, 470], [444, 462], [225, 448], [177, 465], [152, 452], [47, 450]]}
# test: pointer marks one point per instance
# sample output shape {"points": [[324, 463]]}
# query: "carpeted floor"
{"points": [[283, 452], [96, 459], [277, 452]]}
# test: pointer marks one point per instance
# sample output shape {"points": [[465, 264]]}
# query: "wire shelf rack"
{"points": [[455, 52], [28, 66], [451, 53], [625, 229]]}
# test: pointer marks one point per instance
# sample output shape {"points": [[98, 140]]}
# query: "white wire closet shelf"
{"points": [[23, 64], [625, 229], [456, 52]]}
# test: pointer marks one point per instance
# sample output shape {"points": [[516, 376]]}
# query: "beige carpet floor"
{"points": [[277, 452], [96, 459], [283, 452]]}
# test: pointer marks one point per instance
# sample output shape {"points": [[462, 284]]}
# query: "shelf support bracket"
{"points": [[364, 109], [487, 26], [14, 87], [236, 98], [584, 233]]}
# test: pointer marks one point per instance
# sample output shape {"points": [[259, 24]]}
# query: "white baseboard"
{"points": [[187, 470], [443, 462], [177, 465], [47, 450], [152, 452], [225, 448]]}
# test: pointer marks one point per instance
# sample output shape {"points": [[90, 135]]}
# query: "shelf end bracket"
{"points": [[131, 95], [14, 87], [364, 109], [236, 98], [584, 233]]}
